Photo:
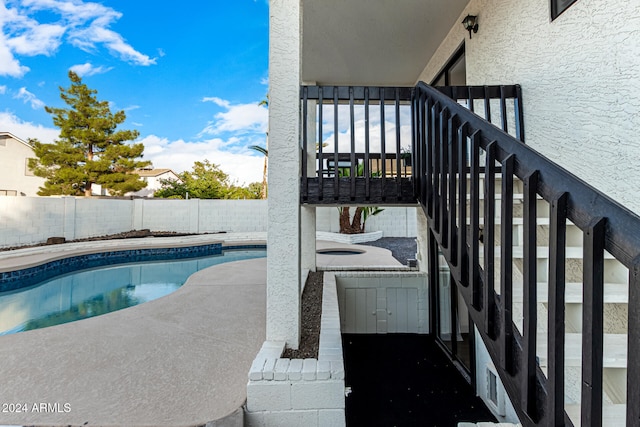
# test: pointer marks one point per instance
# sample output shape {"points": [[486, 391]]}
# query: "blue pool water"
{"points": [[101, 290]]}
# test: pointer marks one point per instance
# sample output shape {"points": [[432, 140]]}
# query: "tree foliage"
{"points": [[90, 150], [206, 181]]}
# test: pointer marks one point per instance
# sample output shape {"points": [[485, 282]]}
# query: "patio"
{"points": [[181, 360]]}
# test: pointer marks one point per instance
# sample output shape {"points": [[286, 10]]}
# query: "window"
{"points": [[454, 72], [559, 6]]}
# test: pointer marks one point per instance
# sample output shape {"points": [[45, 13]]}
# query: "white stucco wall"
{"points": [[392, 221], [13, 167], [283, 238], [580, 76]]}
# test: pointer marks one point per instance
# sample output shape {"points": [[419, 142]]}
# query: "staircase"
{"points": [[543, 262], [615, 304], [548, 267]]}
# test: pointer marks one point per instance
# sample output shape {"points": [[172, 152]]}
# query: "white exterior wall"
{"points": [[154, 184], [13, 167], [283, 238], [504, 411], [393, 221], [580, 77]]}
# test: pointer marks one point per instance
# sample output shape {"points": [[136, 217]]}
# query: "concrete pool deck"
{"points": [[181, 360]]}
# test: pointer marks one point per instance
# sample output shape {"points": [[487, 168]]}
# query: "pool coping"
{"points": [[18, 259]]}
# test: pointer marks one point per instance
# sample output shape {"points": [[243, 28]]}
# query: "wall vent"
{"points": [[495, 392]]}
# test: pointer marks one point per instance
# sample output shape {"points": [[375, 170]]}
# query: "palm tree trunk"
{"points": [[349, 226], [263, 191], [345, 220]]}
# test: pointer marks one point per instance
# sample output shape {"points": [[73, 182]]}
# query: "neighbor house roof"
{"points": [[7, 135], [153, 172]]}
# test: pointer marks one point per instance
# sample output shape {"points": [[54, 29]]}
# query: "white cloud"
{"points": [[239, 119], [3, 90], [9, 66], [87, 69], [25, 130], [83, 24], [75, 10], [29, 98], [217, 101], [242, 165], [87, 38], [37, 39]]}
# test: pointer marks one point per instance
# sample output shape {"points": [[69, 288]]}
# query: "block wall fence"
{"points": [[32, 220]]}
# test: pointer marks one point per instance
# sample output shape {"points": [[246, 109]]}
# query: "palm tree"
{"points": [[265, 152], [360, 216]]}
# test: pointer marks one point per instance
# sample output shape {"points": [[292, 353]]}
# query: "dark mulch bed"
{"points": [[406, 380], [311, 314]]}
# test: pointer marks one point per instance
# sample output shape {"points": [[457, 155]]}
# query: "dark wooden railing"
{"points": [[494, 103], [449, 142], [366, 175], [372, 160]]}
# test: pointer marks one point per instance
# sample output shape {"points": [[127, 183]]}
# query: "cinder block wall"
{"points": [[27, 220], [31, 220], [301, 392], [393, 221]]}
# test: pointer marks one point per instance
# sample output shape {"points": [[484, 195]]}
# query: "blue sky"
{"points": [[189, 76]]}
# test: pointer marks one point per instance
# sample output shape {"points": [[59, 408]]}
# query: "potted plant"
{"points": [[405, 155]]}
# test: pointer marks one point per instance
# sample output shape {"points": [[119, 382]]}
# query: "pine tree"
{"points": [[90, 150]]}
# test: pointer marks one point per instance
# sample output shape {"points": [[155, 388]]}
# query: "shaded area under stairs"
{"points": [[406, 380]]}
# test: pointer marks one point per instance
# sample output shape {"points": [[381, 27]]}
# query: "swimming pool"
{"points": [[91, 292]]}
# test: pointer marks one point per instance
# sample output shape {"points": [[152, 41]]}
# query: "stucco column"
{"points": [[283, 238], [308, 219], [308, 231]]}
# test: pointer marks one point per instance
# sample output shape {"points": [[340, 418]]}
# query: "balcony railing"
{"points": [[474, 181], [496, 104], [357, 142], [356, 145]]}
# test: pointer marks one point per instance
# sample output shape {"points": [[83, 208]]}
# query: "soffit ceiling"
{"points": [[373, 42]]}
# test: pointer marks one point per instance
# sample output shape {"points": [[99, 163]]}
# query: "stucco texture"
{"points": [[283, 242], [580, 76]]}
